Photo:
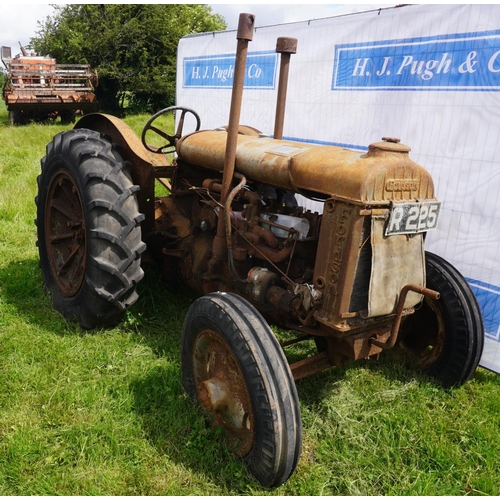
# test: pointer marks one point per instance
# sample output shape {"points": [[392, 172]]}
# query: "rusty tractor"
{"points": [[36, 88], [354, 279]]}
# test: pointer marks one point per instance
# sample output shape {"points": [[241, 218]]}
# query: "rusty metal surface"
{"points": [[222, 391], [261, 279], [143, 163], [227, 209], [310, 366], [39, 84], [246, 24], [49, 103], [399, 311], [424, 334], [244, 35], [359, 345], [65, 233], [122, 134], [336, 259], [390, 144], [334, 249], [284, 46], [367, 179], [336, 352]]}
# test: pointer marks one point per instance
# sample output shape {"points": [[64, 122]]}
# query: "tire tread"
{"points": [[113, 224]]}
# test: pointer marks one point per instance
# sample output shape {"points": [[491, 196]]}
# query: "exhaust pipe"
{"points": [[286, 46], [244, 35]]}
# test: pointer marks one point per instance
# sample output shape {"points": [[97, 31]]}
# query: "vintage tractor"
{"points": [[354, 279]]}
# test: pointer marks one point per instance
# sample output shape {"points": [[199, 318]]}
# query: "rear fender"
{"points": [[131, 148]]}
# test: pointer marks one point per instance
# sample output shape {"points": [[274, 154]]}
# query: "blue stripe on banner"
{"points": [[217, 71], [327, 143], [488, 297], [468, 61]]}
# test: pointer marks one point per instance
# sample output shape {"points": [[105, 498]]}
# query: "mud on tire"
{"points": [[88, 228]]}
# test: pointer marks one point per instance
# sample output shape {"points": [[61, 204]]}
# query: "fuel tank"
{"points": [[383, 174]]}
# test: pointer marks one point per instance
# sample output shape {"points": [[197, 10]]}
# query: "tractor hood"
{"points": [[383, 174]]}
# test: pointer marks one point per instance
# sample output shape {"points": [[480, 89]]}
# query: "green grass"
{"points": [[104, 413]]}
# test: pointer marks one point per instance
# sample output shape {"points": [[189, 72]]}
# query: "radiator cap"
{"points": [[389, 144]]}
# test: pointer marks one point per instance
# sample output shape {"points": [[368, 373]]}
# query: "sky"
{"points": [[269, 14], [19, 22]]}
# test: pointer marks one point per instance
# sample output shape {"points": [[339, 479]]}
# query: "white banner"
{"points": [[427, 74]]}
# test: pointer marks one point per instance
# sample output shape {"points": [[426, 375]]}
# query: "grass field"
{"points": [[104, 412]]}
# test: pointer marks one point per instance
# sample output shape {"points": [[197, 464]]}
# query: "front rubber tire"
{"points": [[445, 336], [88, 227], [228, 346]]}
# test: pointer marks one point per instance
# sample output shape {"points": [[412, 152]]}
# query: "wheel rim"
{"points": [[65, 233], [427, 337], [222, 391]]}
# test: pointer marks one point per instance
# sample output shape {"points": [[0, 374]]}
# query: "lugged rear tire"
{"points": [[445, 336], [88, 227]]}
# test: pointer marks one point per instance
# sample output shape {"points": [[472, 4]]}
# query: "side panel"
{"points": [[397, 260], [338, 248]]}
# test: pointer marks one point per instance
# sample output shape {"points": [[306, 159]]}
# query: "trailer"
{"points": [[37, 88]]}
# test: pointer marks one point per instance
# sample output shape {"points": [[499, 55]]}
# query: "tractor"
{"points": [[354, 279]]}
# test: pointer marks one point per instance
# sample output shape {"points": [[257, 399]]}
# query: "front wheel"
{"points": [[234, 368], [445, 336], [88, 224]]}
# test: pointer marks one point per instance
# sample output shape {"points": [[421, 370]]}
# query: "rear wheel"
{"points": [[89, 237], [234, 368], [445, 336]]}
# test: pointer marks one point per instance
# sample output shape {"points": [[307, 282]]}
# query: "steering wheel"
{"points": [[172, 139]]}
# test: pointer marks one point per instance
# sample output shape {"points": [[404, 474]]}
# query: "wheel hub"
{"points": [[427, 338], [222, 391]]}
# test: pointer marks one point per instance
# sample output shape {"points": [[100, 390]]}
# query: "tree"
{"points": [[133, 47]]}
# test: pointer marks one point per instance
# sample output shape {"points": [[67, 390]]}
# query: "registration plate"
{"points": [[413, 218]]}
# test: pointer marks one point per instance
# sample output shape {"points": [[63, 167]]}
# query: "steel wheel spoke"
{"points": [[65, 233], [69, 259], [61, 237], [63, 209], [70, 193]]}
